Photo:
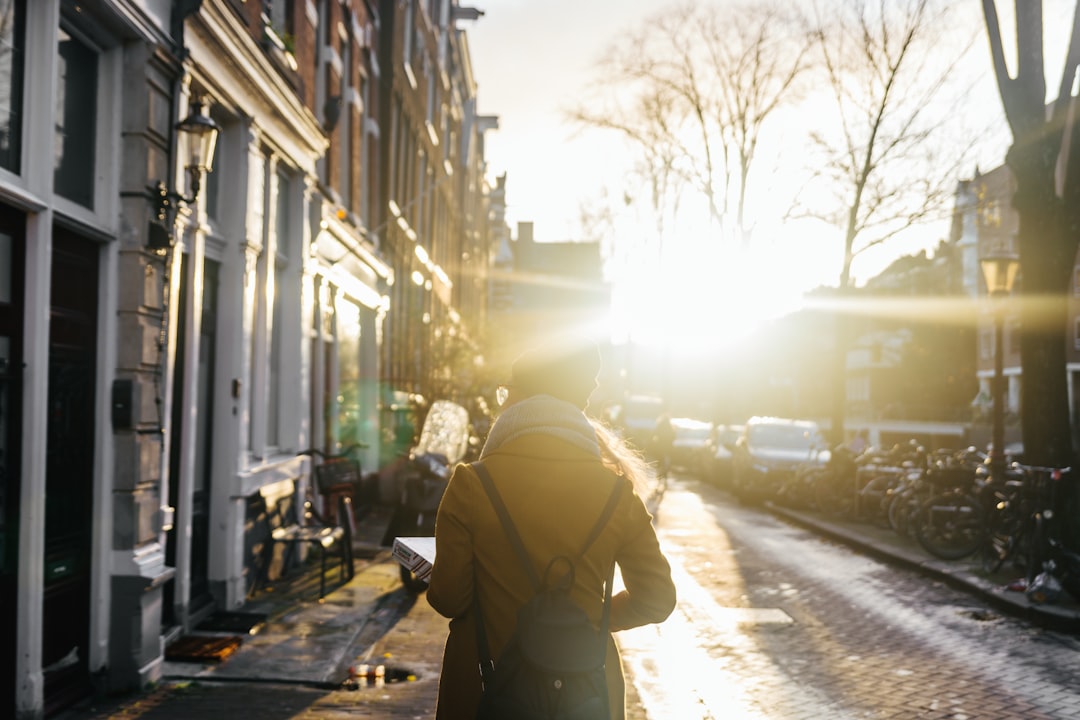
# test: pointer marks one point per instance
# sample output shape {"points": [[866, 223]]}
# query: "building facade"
{"points": [[164, 368], [435, 194]]}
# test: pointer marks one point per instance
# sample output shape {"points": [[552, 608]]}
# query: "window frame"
{"points": [[109, 114]]}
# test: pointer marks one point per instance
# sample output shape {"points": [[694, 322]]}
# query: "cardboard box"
{"points": [[416, 554]]}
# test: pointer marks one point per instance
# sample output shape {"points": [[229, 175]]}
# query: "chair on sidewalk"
{"points": [[337, 476], [322, 534]]}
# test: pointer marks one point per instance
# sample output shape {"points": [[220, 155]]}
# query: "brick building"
{"points": [[163, 367]]}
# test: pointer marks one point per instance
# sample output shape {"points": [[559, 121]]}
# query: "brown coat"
{"points": [[554, 492]]}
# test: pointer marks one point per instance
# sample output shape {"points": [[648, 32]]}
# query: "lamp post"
{"points": [[200, 133], [999, 271]]}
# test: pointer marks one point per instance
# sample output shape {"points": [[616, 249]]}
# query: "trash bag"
{"points": [[1045, 588]]}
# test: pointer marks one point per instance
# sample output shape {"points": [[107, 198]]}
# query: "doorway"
{"points": [[12, 274], [69, 469], [200, 600]]}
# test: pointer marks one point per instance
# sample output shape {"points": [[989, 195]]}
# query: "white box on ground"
{"points": [[416, 554]]}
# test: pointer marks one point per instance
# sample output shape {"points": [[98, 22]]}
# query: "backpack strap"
{"points": [[507, 523], [487, 663]]}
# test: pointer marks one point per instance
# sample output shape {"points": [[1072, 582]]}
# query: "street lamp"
{"points": [[198, 133], [999, 271]]}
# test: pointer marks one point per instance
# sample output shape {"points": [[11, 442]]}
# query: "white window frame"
{"points": [[39, 115]]}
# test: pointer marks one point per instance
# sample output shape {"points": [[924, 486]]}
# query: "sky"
{"points": [[534, 59]]}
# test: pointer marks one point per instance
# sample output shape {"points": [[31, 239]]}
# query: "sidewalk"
{"points": [[295, 665], [966, 574]]}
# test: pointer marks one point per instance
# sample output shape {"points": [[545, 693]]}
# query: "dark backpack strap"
{"points": [[507, 523], [605, 515], [487, 662]]}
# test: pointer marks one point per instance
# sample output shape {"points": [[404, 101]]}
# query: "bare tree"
{"points": [[691, 90], [881, 162], [1045, 162], [885, 160]]}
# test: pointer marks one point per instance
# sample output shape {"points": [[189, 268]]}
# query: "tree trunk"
{"points": [[1047, 257]]}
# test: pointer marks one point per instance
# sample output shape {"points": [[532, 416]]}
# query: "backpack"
{"points": [[553, 667]]}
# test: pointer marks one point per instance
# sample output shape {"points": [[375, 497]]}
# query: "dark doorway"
{"points": [[202, 435], [12, 274], [69, 480]]}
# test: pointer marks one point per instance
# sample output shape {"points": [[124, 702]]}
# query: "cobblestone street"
{"points": [[773, 622]]}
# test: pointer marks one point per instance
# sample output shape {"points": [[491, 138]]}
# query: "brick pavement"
{"points": [[400, 630]]}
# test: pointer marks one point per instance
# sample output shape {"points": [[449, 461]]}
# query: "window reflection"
{"points": [[76, 110], [12, 48]]}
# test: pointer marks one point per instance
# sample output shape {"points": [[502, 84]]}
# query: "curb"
{"points": [[1061, 618]]}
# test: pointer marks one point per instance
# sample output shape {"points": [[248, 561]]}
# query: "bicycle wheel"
{"points": [[949, 527], [902, 508], [873, 497]]}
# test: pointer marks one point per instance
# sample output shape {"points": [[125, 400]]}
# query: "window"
{"points": [[410, 36], [255, 288], [365, 164], [12, 49], [7, 255], [349, 380], [279, 16], [345, 135], [76, 109], [277, 276]]}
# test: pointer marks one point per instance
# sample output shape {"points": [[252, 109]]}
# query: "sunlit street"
{"points": [[326, 327], [775, 623]]}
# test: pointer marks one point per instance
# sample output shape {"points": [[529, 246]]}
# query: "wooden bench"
{"points": [[314, 530]]}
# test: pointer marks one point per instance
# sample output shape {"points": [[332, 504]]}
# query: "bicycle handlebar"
{"points": [[1040, 468]]}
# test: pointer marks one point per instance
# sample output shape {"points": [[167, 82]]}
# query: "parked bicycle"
{"points": [[949, 525], [1045, 553], [906, 499]]}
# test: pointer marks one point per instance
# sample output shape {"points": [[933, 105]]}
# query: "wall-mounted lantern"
{"points": [[198, 133]]}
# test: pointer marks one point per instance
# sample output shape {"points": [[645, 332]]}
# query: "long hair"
{"points": [[622, 457]]}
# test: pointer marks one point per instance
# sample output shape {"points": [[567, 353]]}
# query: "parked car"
{"points": [[691, 440], [769, 452], [719, 454], [636, 417]]}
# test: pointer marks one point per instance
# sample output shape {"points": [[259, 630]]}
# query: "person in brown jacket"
{"points": [[554, 468]]}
